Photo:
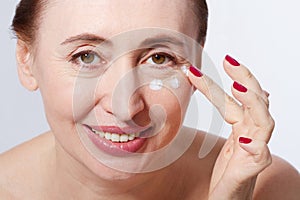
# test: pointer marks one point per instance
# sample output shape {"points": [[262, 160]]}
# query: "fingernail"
{"points": [[195, 71], [245, 140], [239, 87], [232, 61]]}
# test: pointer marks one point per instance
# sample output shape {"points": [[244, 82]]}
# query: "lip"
{"points": [[115, 148], [119, 130]]}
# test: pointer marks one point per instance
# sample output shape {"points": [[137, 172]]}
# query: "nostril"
{"points": [[127, 113]]}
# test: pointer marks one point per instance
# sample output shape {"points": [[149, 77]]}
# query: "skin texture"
{"points": [[55, 164]]}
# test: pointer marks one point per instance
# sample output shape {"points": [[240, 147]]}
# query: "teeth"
{"points": [[108, 136], [116, 137], [101, 134], [124, 138], [131, 137]]}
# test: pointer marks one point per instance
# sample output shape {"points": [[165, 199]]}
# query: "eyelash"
{"points": [[75, 57], [174, 59]]}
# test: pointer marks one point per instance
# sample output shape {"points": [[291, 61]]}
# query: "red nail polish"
{"points": [[232, 61], [245, 140], [195, 71], [239, 87]]}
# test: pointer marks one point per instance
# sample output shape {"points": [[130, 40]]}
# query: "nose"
{"points": [[120, 92]]}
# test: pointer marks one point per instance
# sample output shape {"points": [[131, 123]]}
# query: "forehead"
{"points": [[66, 18]]}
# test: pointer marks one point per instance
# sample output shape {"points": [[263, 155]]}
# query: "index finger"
{"points": [[230, 110]]}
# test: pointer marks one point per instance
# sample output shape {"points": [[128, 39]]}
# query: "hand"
{"points": [[245, 154]]}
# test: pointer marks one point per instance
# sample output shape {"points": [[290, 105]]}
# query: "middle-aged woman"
{"points": [[114, 81]]}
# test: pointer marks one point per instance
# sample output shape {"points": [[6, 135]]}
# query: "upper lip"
{"points": [[119, 130]]}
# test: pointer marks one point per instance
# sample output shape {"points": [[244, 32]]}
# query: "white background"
{"points": [[264, 35]]}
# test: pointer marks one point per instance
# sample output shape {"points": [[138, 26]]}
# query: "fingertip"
{"points": [[232, 61], [239, 87], [247, 144], [245, 140], [195, 71], [254, 147]]}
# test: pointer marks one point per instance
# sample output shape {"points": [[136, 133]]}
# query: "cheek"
{"points": [[56, 86], [167, 103], [167, 116], [66, 96], [57, 90], [57, 97]]}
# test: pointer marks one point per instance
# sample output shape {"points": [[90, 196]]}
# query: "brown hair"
{"points": [[29, 13], [201, 12], [27, 18]]}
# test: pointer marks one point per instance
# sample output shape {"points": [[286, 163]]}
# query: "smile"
{"points": [[115, 140], [115, 137]]}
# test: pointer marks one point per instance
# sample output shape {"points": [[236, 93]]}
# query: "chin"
{"points": [[106, 173]]}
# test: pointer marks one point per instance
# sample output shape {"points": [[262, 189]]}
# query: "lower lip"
{"points": [[115, 148]]}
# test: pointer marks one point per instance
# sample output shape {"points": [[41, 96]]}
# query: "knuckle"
{"points": [[269, 161], [208, 82], [263, 157], [238, 129], [267, 102], [229, 100], [265, 98], [257, 98], [266, 93], [271, 124], [207, 85], [254, 99], [248, 74]]}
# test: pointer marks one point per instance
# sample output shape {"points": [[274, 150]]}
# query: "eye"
{"points": [[159, 59], [87, 60]]}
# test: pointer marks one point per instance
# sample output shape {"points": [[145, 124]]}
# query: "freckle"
{"points": [[156, 84], [175, 83]]}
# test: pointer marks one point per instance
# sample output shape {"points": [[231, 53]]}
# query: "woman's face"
{"points": [[94, 70]]}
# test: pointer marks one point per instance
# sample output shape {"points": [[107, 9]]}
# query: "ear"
{"points": [[24, 63]]}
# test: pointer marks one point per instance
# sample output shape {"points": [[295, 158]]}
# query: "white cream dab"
{"points": [[175, 83], [156, 84], [185, 69]]}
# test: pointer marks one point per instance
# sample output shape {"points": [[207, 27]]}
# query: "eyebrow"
{"points": [[160, 39], [85, 37]]}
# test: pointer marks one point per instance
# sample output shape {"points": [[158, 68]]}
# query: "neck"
{"points": [[70, 175]]}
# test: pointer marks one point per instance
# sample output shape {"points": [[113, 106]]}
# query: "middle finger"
{"points": [[243, 75]]}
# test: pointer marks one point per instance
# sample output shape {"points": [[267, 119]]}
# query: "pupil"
{"points": [[87, 58], [158, 59]]}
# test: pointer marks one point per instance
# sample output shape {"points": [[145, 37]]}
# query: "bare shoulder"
{"points": [[198, 162], [20, 166], [279, 181], [4, 194], [204, 149]]}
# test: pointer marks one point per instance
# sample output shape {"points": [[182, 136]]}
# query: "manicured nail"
{"points": [[195, 71], [239, 87], [232, 61], [245, 140]]}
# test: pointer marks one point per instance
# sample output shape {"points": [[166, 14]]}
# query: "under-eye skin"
{"points": [[87, 60]]}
